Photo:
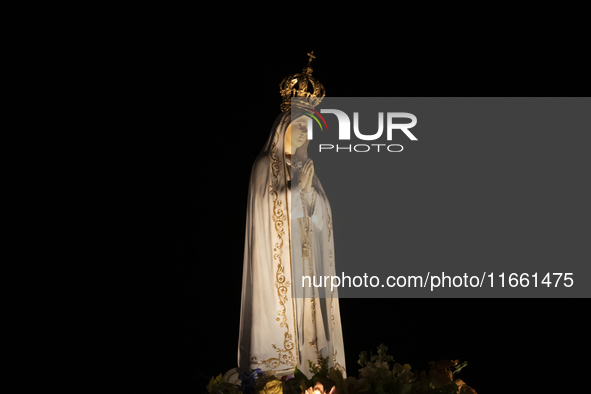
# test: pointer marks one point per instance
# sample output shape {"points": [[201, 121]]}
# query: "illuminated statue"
{"points": [[288, 234]]}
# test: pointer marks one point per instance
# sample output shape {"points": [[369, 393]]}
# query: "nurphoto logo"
{"points": [[345, 130]]}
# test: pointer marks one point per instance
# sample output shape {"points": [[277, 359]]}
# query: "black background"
{"points": [[173, 104]]}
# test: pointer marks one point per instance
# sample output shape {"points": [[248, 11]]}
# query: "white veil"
{"points": [[270, 316]]}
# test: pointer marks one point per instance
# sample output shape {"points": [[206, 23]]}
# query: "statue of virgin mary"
{"points": [[288, 234]]}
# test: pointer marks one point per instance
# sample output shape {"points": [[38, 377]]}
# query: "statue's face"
{"points": [[297, 133]]}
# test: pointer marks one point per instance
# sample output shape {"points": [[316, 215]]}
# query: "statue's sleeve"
{"points": [[312, 202], [297, 210], [317, 209]]}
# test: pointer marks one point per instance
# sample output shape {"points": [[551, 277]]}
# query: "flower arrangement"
{"points": [[377, 375]]}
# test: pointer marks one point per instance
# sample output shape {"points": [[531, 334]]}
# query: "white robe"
{"points": [[282, 325]]}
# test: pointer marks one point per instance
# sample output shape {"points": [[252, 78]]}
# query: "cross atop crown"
{"points": [[311, 55]]}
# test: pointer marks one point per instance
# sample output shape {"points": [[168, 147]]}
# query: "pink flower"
{"points": [[319, 389]]}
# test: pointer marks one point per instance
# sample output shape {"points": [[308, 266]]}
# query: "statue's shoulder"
{"points": [[261, 165]]}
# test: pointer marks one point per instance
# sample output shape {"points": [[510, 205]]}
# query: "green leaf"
{"points": [[459, 367], [380, 390], [337, 377], [299, 375]]}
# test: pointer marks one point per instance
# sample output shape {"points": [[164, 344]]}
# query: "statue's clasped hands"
{"points": [[306, 175]]}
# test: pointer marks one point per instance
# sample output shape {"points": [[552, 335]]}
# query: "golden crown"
{"points": [[308, 99]]}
